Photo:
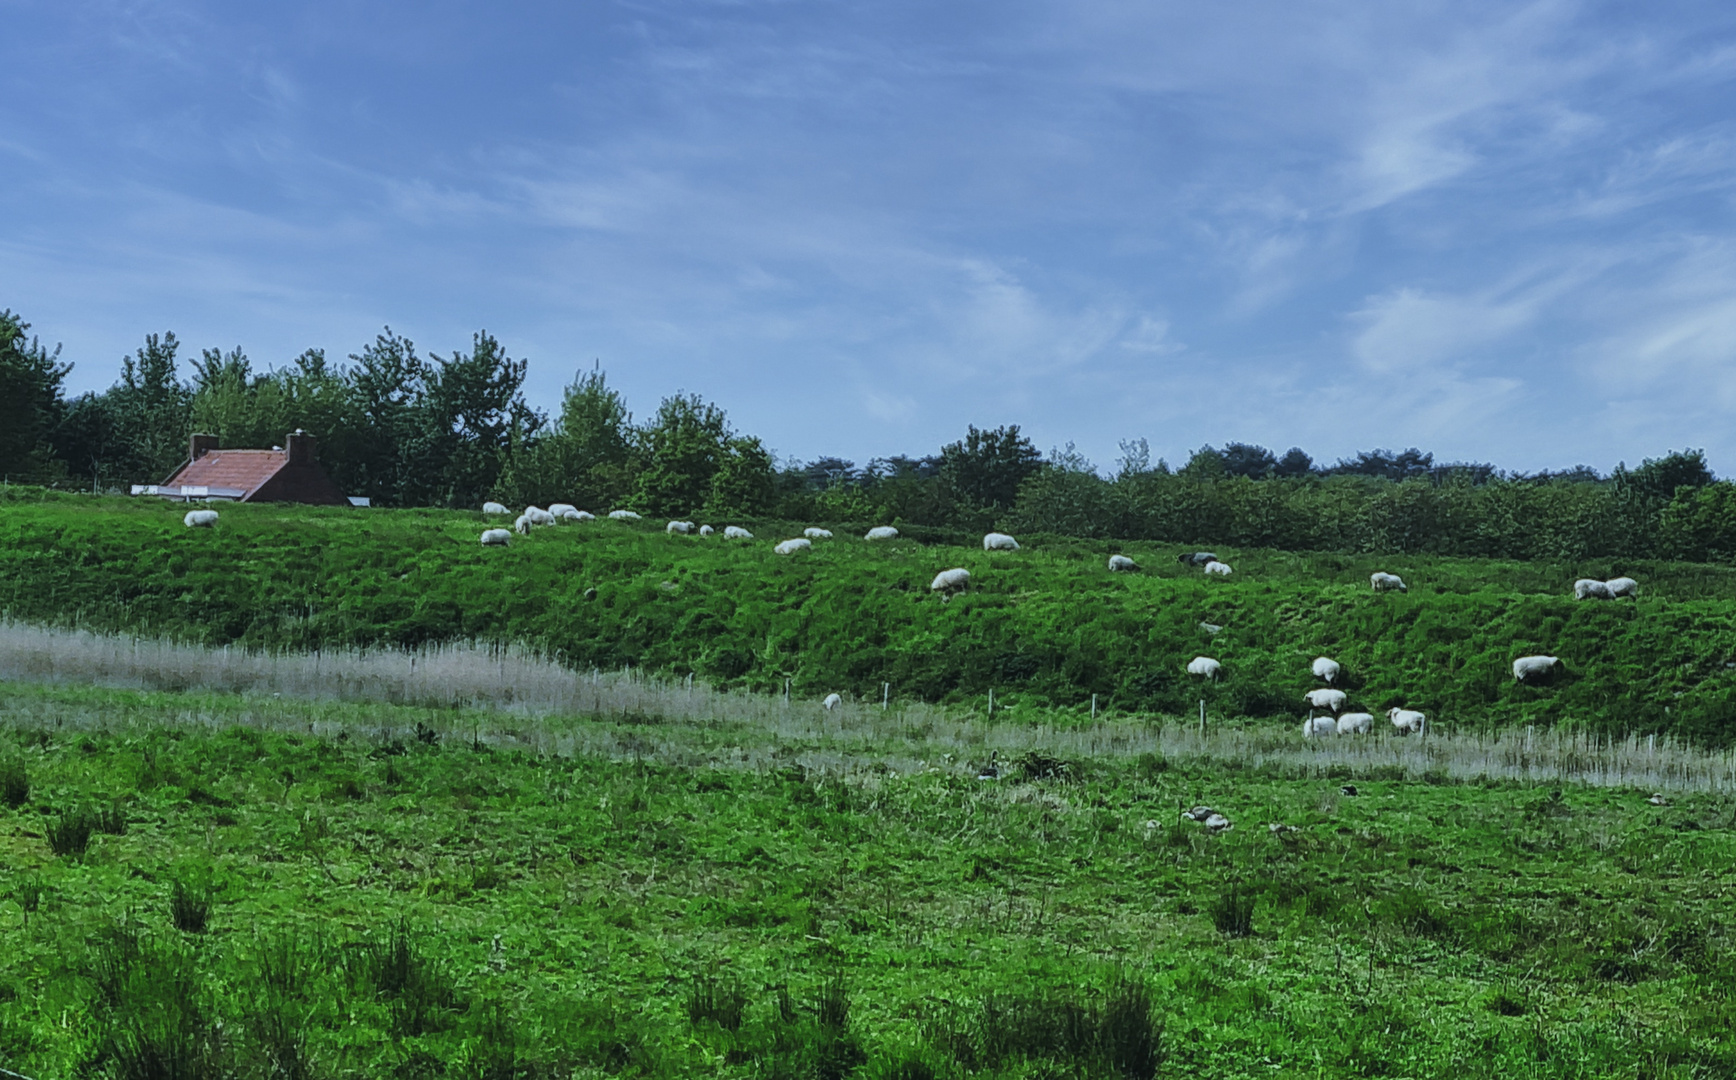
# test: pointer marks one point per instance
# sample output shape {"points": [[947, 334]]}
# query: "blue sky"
{"points": [[1498, 231]]}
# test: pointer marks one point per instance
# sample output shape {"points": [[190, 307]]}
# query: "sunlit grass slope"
{"points": [[1046, 625]]}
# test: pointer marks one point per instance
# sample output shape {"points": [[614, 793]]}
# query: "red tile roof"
{"points": [[244, 469]]}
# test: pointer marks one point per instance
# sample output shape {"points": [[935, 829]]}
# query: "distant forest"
{"points": [[411, 430]]}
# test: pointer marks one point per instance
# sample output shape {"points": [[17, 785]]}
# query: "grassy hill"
{"points": [[1047, 626]]}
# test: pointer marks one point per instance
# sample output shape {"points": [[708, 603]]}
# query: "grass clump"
{"points": [[711, 1000], [70, 833], [14, 784], [420, 994], [189, 906], [1118, 1035], [1233, 911]]}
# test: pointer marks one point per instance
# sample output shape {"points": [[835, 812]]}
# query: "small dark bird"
{"points": [[1348, 789]]}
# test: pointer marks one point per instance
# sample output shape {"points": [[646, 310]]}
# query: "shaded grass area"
{"points": [[376, 905], [1047, 626]]}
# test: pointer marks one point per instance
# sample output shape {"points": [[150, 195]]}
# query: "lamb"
{"points": [[682, 527], [1121, 563], [813, 533], [623, 515], [881, 532], [790, 547], [200, 519], [1592, 589], [539, 517], [1355, 723], [522, 525], [1622, 586], [950, 581], [1405, 721], [1200, 813], [1527, 668], [999, 542], [579, 515], [1216, 567], [1218, 823], [736, 532], [1326, 699], [832, 701], [706, 530], [1319, 725], [495, 537], [1326, 669], [561, 510], [1196, 558], [1204, 665], [1387, 582], [494, 508]]}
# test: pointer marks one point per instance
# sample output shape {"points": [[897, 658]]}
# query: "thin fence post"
{"points": [[885, 695], [1202, 716], [1093, 706], [991, 703]]}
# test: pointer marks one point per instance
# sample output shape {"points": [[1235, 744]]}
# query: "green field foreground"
{"points": [[1047, 627], [278, 887]]}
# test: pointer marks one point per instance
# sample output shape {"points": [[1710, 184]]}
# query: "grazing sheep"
{"points": [[623, 515], [1355, 723], [1591, 589], [833, 701], [561, 510], [1215, 567], [1204, 665], [1527, 668], [200, 519], [1622, 586], [495, 537], [1405, 721], [1326, 699], [1387, 582], [1326, 669], [682, 527], [494, 508], [1218, 823], [1200, 813], [881, 532], [999, 542], [1277, 828], [1196, 558], [736, 532], [1319, 725], [1658, 799], [706, 530], [950, 581], [538, 517], [579, 515], [813, 533], [522, 525], [1119, 563], [790, 547]]}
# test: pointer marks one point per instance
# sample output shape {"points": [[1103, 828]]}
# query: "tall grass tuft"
{"points": [[189, 906], [418, 991], [1233, 911], [158, 1021], [716, 1001], [1117, 1036], [71, 832], [14, 784], [28, 893]]}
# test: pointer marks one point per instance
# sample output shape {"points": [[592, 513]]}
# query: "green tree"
{"points": [[586, 458], [745, 482], [393, 462], [31, 406], [680, 453], [150, 411], [985, 469], [472, 418]]}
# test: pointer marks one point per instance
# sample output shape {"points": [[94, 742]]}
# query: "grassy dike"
{"points": [[1047, 626], [186, 882]]}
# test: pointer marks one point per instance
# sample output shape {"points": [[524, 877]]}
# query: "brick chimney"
{"points": [[201, 445], [300, 446]]}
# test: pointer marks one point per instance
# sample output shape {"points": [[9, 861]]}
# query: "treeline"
{"points": [[411, 430]]}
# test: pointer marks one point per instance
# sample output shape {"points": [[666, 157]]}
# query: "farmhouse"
{"points": [[289, 474]]}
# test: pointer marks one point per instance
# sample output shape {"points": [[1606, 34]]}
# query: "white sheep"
{"points": [[1327, 669], [950, 581], [1216, 567], [1622, 586], [494, 508], [1204, 665], [495, 537], [1406, 721], [1326, 699], [538, 517], [790, 547], [736, 532], [881, 532], [200, 519], [1196, 558], [522, 525], [1319, 725], [706, 530], [1591, 589], [1218, 823], [1121, 564], [832, 701], [1200, 813], [682, 527], [1355, 723], [579, 515], [561, 510], [1383, 582], [1529, 667], [623, 515], [999, 542], [813, 533]]}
